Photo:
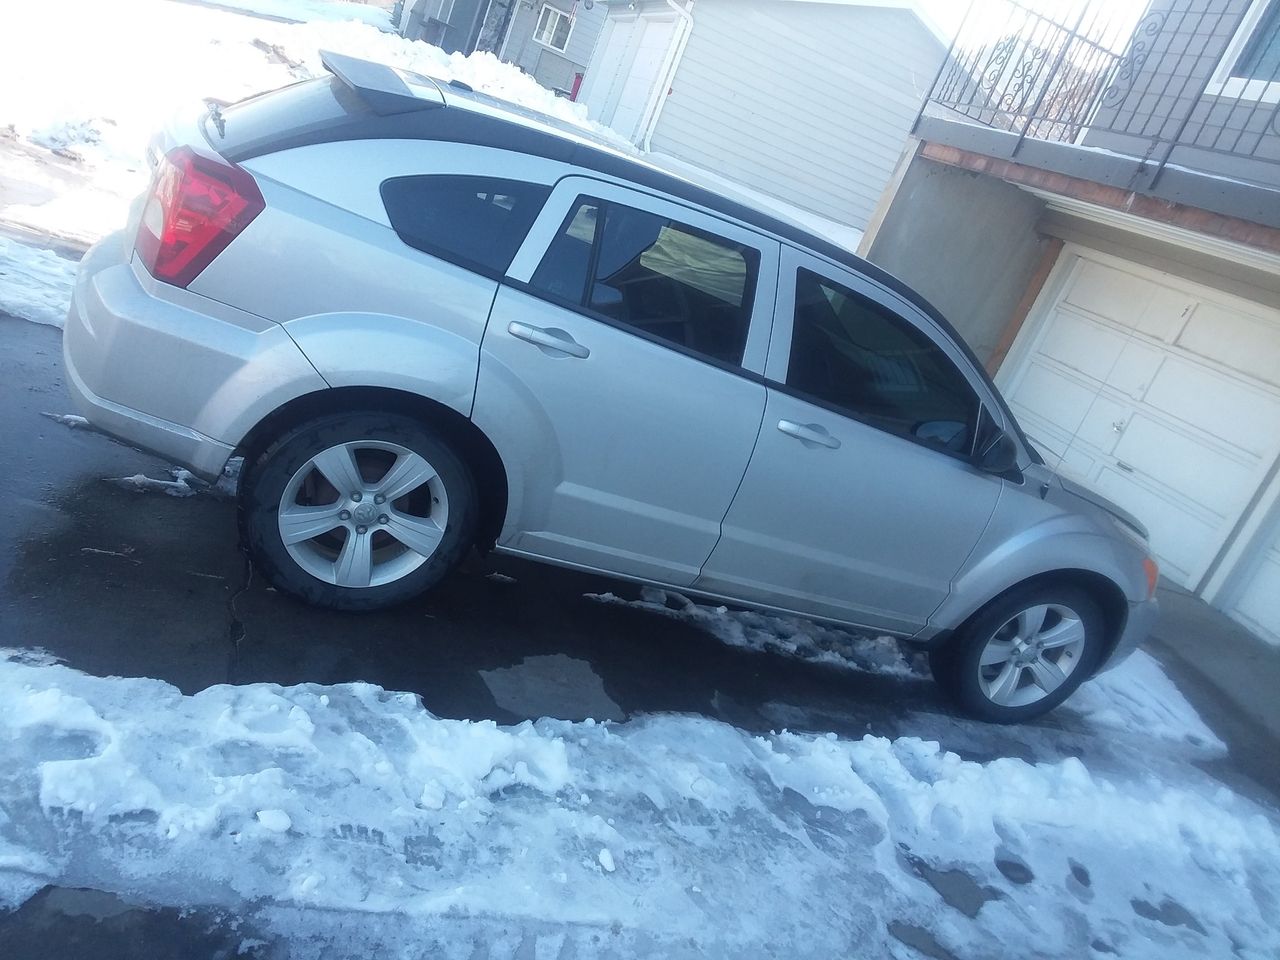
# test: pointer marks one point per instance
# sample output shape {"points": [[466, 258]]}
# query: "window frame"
{"points": [[563, 203], [1222, 83], [793, 261], [552, 8]]}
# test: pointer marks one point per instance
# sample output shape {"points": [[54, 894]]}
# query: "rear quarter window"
{"points": [[476, 222]]}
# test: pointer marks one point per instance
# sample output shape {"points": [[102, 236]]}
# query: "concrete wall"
{"points": [[968, 243], [808, 102]]}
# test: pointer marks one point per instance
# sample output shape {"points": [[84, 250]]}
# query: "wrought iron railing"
{"points": [[1104, 77]]}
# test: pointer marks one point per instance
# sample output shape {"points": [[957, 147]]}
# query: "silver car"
{"points": [[429, 321]]}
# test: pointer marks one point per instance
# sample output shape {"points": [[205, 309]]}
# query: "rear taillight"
{"points": [[197, 206]]}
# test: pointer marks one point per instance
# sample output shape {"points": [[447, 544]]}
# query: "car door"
{"points": [[861, 501], [615, 379]]}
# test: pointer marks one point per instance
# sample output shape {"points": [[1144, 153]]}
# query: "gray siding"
{"points": [[806, 102], [549, 67], [1226, 137], [967, 242]]}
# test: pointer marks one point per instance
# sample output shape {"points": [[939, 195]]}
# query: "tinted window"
{"points": [[478, 222], [850, 352], [667, 279]]}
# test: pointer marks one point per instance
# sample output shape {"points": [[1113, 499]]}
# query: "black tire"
{"points": [[265, 480], [955, 665]]}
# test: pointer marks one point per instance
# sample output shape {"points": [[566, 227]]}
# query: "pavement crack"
{"points": [[235, 626]]}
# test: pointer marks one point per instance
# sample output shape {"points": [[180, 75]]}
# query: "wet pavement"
{"points": [[117, 582]]}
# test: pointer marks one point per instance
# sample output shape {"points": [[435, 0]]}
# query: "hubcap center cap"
{"points": [[365, 513]]}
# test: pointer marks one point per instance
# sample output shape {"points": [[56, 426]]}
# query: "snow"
{"points": [[661, 836], [35, 284], [1134, 695], [304, 10], [72, 420], [183, 484]]}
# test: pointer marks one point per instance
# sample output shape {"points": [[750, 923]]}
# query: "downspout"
{"points": [[669, 68]]}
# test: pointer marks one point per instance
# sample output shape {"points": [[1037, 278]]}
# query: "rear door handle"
{"points": [[549, 338], [808, 433]]}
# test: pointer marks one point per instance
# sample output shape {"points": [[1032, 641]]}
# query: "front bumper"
{"points": [[168, 370], [1138, 626]]}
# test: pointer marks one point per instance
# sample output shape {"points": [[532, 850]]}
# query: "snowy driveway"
{"points": [[276, 785]]}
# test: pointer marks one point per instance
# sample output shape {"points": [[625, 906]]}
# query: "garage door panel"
{"points": [[1259, 605], [1174, 460], [1236, 339], [1128, 300], [1227, 409], [1051, 395], [1083, 345], [1135, 369], [1099, 426], [1181, 540]]}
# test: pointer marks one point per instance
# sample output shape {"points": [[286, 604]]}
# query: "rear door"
{"points": [[616, 379], [861, 502]]}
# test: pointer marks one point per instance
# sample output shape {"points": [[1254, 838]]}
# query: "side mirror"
{"points": [[1000, 456]]}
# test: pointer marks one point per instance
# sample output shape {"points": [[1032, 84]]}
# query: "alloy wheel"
{"points": [[1031, 655], [363, 514]]}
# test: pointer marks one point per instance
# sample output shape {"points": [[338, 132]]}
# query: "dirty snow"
{"points": [[183, 484], [35, 284], [663, 836], [1134, 695]]}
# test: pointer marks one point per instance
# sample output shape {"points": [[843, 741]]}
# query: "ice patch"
{"points": [[74, 421], [35, 284]]}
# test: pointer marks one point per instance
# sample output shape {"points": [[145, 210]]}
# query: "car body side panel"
{"points": [[1030, 535]]}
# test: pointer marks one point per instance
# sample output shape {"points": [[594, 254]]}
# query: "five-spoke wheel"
{"points": [[1022, 654], [358, 511]]}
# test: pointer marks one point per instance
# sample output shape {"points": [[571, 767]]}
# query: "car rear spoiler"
{"points": [[381, 87]]}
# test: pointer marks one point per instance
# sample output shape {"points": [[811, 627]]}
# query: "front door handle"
{"points": [[549, 338], [808, 433]]}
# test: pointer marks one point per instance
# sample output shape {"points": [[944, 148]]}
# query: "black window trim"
{"points": [[750, 289]]}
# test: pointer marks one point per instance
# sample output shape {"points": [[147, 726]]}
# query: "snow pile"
{"points": [[1138, 697], [789, 636], [662, 836], [35, 284]]}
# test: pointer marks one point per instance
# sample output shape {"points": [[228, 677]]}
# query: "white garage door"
{"points": [[1160, 394], [626, 71], [1258, 604]]}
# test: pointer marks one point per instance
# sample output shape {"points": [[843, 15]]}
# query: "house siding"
{"points": [[550, 67], [806, 102], [1222, 136]]}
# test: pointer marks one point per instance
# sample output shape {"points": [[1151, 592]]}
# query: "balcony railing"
{"points": [[1144, 86]]}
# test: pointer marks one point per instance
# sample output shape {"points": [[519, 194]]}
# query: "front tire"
{"points": [[1022, 654], [358, 511]]}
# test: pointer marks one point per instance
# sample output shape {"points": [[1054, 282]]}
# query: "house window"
{"points": [[554, 28], [1250, 66]]}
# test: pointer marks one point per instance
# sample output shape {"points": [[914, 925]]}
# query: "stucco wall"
{"points": [[966, 242]]}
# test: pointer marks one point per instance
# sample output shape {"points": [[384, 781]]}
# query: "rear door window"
{"points": [[659, 277], [476, 222]]}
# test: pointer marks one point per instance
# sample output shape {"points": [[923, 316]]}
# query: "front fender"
{"points": [[1011, 551], [379, 350]]}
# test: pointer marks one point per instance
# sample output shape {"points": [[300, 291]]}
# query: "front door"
{"points": [[860, 502], [613, 379]]}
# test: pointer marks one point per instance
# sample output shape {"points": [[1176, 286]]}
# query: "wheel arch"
{"points": [[470, 441], [1103, 590]]}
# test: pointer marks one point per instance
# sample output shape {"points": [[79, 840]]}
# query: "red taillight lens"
{"points": [[197, 206]]}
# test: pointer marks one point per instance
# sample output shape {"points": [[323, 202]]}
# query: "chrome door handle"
{"points": [[808, 433], [550, 338]]}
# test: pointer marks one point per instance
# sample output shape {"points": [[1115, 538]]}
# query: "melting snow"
{"points": [[35, 284], [667, 835]]}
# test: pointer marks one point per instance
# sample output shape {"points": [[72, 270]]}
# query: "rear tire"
{"points": [[357, 511], [1022, 654]]}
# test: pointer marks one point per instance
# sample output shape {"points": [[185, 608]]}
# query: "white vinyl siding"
{"points": [[807, 102]]}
